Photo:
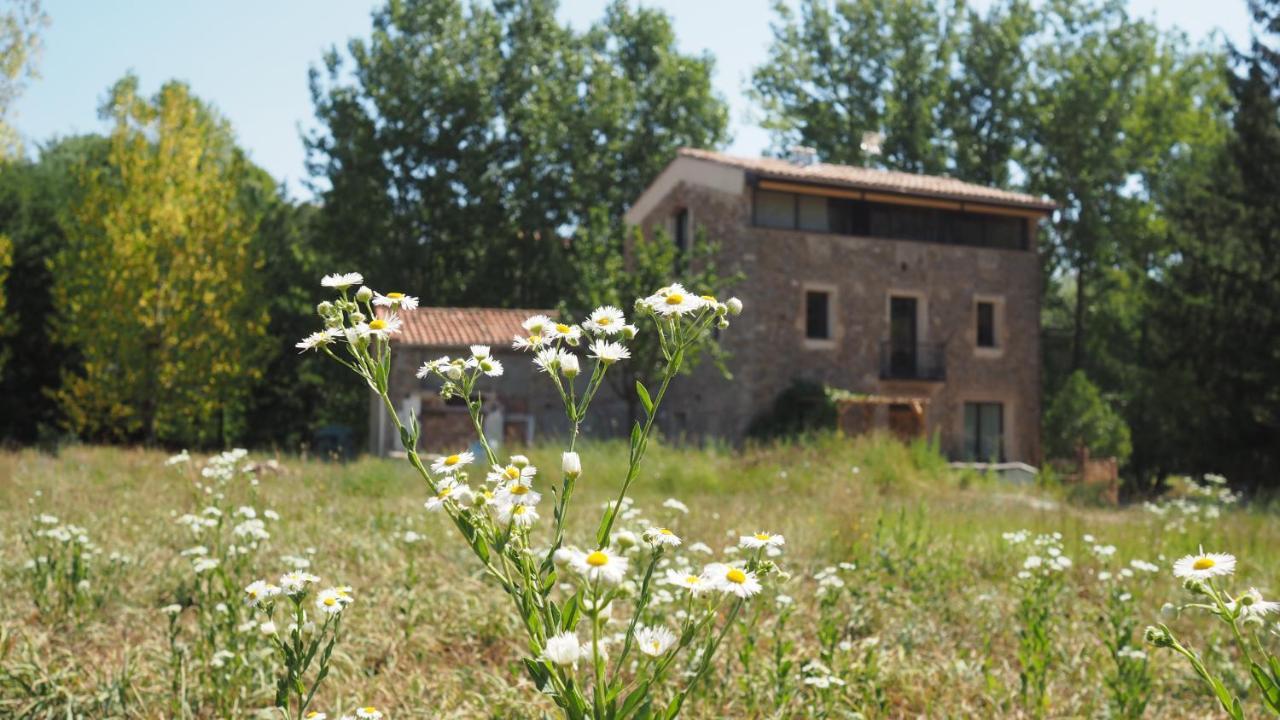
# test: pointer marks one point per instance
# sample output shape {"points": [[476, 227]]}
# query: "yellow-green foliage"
{"points": [[154, 288]]}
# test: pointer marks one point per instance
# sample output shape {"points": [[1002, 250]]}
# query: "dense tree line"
{"points": [[483, 153]]}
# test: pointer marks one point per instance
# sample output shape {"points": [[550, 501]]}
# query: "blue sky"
{"points": [[250, 59]]}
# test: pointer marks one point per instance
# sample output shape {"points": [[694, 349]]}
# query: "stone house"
{"points": [[917, 298]]}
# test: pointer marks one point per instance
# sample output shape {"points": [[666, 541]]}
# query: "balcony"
{"points": [[919, 361]]}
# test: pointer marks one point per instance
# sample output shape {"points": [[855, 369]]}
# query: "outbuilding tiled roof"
{"points": [[872, 179], [458, 327]]}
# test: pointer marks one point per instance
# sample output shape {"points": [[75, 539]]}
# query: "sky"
{"points": [[250, 59]]}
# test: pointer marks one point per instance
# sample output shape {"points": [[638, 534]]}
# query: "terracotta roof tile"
{"points": [[458, 327], [873, 179]]}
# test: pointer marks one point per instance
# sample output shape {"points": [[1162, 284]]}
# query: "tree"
{"points": [[34, 200], [21, 24], [155, 286], [460, 145], [1078, 416], [836, 72]]}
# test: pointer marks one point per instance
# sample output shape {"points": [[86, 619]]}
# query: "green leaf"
{"points": [[1270, 691], [638, 701], [644, 397]]}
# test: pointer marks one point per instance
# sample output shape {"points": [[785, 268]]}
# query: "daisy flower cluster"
{"points": [[1045, 556], [65, 568], [1192, 503], [1247, 613], [575, 601], [310, 620]]}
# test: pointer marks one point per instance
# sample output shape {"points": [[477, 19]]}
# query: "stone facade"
{"points": [[768, 344]]}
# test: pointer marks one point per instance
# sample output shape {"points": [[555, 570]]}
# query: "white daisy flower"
{"points": [[629, 332], [316, 715], [293, 583], [571, 464], [695, 584], [701, 547], [517, 493], [368, 712], [563, 331], [512, 473], [332, 601], [569, 365], [601, 565], [676, 505], [259, 591], [491, 367], [396, 301], [761, 539], [311, 342], [436, 366], [531, 342], [549, 359], [674, 300], [521, 516], [654, 641], [382, 327], [732, 580], [204, 565], [605, 320], [342, 280], [661, 536], [479, 352], [1250, 603], [449, 489], [537, 325], [1204, 565], [171, 610], [562, 649], [450, 464], [608, 352]]}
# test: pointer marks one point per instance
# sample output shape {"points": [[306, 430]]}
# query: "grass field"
{"points": [[922, 619]]}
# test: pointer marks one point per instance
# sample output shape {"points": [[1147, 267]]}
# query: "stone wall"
{"points": [[768, 346]]}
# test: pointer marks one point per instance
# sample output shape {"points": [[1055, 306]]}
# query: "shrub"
{"points": [[1079, 415], [803, 407]]}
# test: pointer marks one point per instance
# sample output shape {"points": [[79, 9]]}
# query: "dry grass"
{"points": [[933, 584]]}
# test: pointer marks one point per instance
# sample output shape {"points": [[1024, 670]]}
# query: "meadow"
{"points": [[900, 594]]}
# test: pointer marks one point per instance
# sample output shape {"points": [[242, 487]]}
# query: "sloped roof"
{"points": [[458, 327], [872, 179]]}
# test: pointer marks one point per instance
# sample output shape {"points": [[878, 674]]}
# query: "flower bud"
{"points": [[1195, 587], [722, 323], [629, 332], [267, 628], [364, 294], [625, 539], [520, 461], [358, 317], [569, 366], [1169, 611], [734, 305], [571, 464], [324, 309], [1253, 621], [1158, 636]]}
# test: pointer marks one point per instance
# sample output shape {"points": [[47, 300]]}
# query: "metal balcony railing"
{"points": [[918, 361]]}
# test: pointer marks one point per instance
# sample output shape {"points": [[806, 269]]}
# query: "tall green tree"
{"points": [[156, 285], [837, 71], [459, 145]]}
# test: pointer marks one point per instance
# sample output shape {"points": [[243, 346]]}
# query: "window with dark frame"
{"points": [[984, 432], [817, 213], [680, 230], [817, 315], [986, 324]]}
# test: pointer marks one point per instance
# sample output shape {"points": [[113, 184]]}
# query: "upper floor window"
{"points": [[986, 324], [680, 230], [817, 315], [816, 213]]}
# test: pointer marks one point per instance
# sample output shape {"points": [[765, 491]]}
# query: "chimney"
{"points": [[802, 156]]}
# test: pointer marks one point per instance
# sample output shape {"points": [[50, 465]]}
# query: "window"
{"points": [[817, 315], [775, 209], [986, 324], [984, 432], [680, 230], [818, 213]]}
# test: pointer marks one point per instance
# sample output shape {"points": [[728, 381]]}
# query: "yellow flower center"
{"points": [[519, 510], [378, 324], [452, 459], [395, 296], [597, 559], [736, 576], [512, 472], [604, 320], [1204, 563], [709, 298], [692, 579], [369, 709], [655, 645], [444, 492], [330, 601], [763, 537], [675, 299], [562, 328], [664, 531], [519, 489], [253, 593]]}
